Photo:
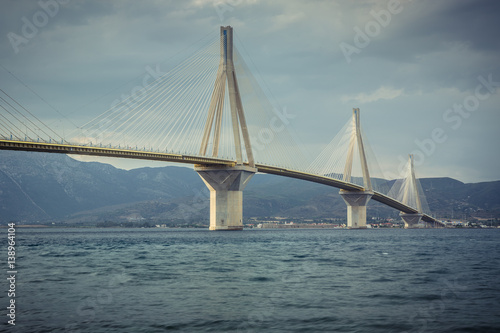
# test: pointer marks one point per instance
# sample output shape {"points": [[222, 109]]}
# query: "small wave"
{"points": [[260, 279]]}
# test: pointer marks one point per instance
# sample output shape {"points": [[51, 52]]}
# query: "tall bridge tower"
{"points": [[411, 196], [226, 184], [357, 200]]}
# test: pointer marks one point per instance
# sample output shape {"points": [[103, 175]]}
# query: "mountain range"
{"points": [[39, 187]]}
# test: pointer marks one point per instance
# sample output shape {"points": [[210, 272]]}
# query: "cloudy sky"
{"points": [[425, 73]]}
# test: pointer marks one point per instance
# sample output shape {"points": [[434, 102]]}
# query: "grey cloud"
{"points": [[92, 51]]}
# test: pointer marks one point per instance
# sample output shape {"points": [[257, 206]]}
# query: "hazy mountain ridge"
{"points": [[45, 187], [50, 186]]}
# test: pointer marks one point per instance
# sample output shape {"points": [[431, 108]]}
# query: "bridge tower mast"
{"points": [[226, 184], [356, 201], [411, 220]]}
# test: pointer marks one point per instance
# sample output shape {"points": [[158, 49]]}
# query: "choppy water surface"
{"points": [[157, 280]]}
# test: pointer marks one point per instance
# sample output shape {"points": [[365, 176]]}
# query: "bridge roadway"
{"points": [[63, 148]]}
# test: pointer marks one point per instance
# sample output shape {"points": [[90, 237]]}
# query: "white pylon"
{"points": [[356, 201], [226, 184], [227, 73], [411, 187], [411, 190], [357, 138]]}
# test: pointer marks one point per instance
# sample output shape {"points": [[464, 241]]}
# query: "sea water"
{"points": [[191, 280]]}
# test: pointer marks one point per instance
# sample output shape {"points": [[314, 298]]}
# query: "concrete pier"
{"points": [[411, 220], [226, 186], [356, 207]]}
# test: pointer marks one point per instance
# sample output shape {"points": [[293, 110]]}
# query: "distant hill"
{"points": [[37, 186], [52, 187]]}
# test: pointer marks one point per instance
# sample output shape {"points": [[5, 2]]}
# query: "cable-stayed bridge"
{"points": [[210, 111]]}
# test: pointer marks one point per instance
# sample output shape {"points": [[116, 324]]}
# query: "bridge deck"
{"points": [[377, 196], [109, 152], [168, 157]]}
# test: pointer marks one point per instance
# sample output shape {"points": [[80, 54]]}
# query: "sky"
{"points": [[424, 73]]}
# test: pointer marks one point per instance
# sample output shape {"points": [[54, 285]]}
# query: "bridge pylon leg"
{"points": [[411, 220], [226, 186], [356, 207]]}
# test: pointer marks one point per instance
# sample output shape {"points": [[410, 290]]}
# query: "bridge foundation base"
{"points": [[356, 208], [411, 220], [226, 186]]}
